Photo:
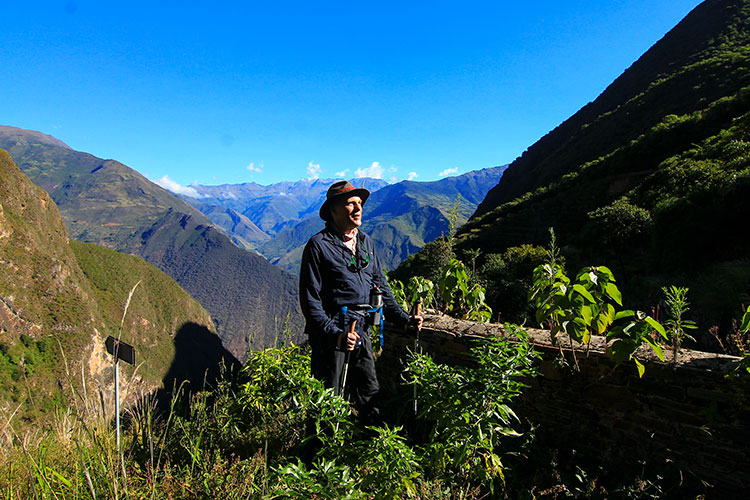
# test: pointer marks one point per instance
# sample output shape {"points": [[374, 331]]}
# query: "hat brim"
{"points": [[325, 213]]}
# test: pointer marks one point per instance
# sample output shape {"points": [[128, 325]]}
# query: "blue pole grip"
{"points": [[344, 310]]}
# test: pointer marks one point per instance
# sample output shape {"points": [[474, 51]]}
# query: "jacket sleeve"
{"points": [[310, 285]]}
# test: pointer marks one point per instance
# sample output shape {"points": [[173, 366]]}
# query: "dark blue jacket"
{"points": [[331, 277]]}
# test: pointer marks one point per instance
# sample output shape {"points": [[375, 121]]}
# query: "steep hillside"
{"points": [[701, 60], [59, 300], [159, 310], [107, 203], [44, 299], [651, 178]]}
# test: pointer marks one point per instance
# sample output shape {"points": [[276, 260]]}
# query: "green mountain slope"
{"points": [[651, 178], [44, 299], [101, 201], [60, 299], [159, 307], [107, 203], [703, 59]]}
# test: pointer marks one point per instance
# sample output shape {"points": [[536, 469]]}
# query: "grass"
{"points": [[249, 438]]}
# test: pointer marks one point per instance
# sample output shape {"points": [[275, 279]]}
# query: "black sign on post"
{"points": [[123, 351]]}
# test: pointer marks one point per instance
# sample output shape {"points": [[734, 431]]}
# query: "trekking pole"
{"points": [[345, 371], [418, 312], [376, 308], [342, 325]]}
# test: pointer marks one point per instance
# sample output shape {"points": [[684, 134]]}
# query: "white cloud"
{"points": [[176, 188], [253, 168], [375, 171], [313, 171], [342, 173], [448, 171], [411, 176]]}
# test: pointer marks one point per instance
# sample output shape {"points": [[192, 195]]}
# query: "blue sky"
{"points": [[230, 92]]}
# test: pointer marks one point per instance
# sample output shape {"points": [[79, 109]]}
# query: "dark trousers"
{"points": [[362, 386]]}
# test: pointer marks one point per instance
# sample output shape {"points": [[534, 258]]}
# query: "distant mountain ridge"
{"points": [[401, 217], [241, 230], [101, 201], [110, 204], [22, 136], [271, 208]]}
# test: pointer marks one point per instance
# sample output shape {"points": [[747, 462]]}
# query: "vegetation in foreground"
{"points": [[272, 431]]}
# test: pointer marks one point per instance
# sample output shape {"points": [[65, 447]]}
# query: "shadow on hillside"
{"points": [[200, 361]]}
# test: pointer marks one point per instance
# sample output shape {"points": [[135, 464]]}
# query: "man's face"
{"points": [[347, 214]]}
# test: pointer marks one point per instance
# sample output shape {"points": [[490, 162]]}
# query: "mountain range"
{"points": [[270, 208], [251, 301], [109, 204], [277, 220]]}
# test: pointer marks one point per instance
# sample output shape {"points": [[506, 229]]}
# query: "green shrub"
{"points": [[278, 398], [589, 306], [619, 223], [743, 330], [676, 308], [387, 465], [324, 479], [467, 408], [461, 298]]}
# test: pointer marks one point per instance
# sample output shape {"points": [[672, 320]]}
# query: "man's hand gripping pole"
{"points": [[345, 341]]}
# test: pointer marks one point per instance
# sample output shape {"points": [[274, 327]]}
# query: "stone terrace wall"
{"points": [[688, 412]]}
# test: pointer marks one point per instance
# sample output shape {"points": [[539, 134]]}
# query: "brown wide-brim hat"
{"points": [[341, 189]]}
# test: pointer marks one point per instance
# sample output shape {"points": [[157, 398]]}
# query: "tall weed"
{"points": [[467, 409]]}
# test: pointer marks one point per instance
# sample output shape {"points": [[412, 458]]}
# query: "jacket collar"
{"points": [[333, 234]]}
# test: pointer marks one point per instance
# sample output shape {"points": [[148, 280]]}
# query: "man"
{"points": [[339, 268]]}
